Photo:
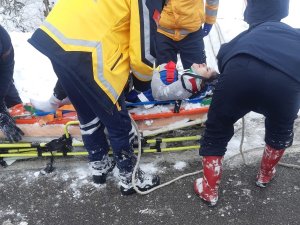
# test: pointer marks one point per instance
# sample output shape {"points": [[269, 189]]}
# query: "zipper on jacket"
{"points": [[116, 62]]}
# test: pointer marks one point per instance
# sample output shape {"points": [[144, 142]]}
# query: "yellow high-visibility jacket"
{"points": [[181, 17], [111, 31]]}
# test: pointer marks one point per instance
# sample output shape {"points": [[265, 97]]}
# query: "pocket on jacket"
{"points": [[113, 60], [116, 62]]}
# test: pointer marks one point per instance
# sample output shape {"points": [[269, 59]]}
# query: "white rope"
{"points": [[242, 140], [293, 166]]}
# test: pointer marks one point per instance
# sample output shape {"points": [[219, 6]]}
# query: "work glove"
{"points": [[9, 127], [206, 29]]}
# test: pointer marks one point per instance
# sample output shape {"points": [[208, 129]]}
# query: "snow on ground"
{"points": [[34, 78]]}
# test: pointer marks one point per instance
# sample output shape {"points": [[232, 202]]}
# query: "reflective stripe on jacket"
{"points": [[103, 29], [181, 17]]}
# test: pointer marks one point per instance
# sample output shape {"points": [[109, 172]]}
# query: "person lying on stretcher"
{"points": [[168, 84]]}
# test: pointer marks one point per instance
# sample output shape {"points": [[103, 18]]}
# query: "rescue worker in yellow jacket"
{"points": [[181, 26], [93, 45]]}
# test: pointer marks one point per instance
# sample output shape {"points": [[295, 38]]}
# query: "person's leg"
{"points": [[166, 49], [121, 136], [192, 50], [281, 105], [92, 129], [93, 117], [233, 98]]}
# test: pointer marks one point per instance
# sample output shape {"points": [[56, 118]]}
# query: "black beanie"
{"points": [[258, 11]]}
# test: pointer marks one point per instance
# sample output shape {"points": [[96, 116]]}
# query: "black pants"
{"points": [[248, 84], [191, 49]]}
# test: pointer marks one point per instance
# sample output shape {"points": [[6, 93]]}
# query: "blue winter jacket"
{"points": [[6, 62], [267, 39], [275, 43]]}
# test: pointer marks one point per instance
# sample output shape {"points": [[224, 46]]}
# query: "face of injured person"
{"points": [[203, 70]]}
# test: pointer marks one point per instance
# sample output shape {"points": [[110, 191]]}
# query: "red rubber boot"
{"points": [[267, 170], [207, 187]]}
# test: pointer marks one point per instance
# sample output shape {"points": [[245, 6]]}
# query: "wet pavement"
{"points": [[69, 197]]}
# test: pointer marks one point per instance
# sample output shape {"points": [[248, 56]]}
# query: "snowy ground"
{"points": [[68, 196], [35, 78]]}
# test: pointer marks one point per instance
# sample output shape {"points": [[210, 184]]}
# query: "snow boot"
{"points": [[126, 162], [50, 105], [143, 181], [207, 187], [18, 111], [100, 169], [267, 169]]}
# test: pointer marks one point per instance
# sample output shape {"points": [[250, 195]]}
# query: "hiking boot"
{"points": [[100, 169], [143, 182], [18, 111], [267, 169]]}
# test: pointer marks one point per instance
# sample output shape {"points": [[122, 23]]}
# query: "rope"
{"points": [[220, 34], [137, 166], [242, 140], [293, 166]]}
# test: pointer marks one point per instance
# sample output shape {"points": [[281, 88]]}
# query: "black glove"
{"points": [[9, 127]]}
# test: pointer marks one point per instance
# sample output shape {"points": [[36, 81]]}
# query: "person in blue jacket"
{"points": [[9, 96], [259, 72]]}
